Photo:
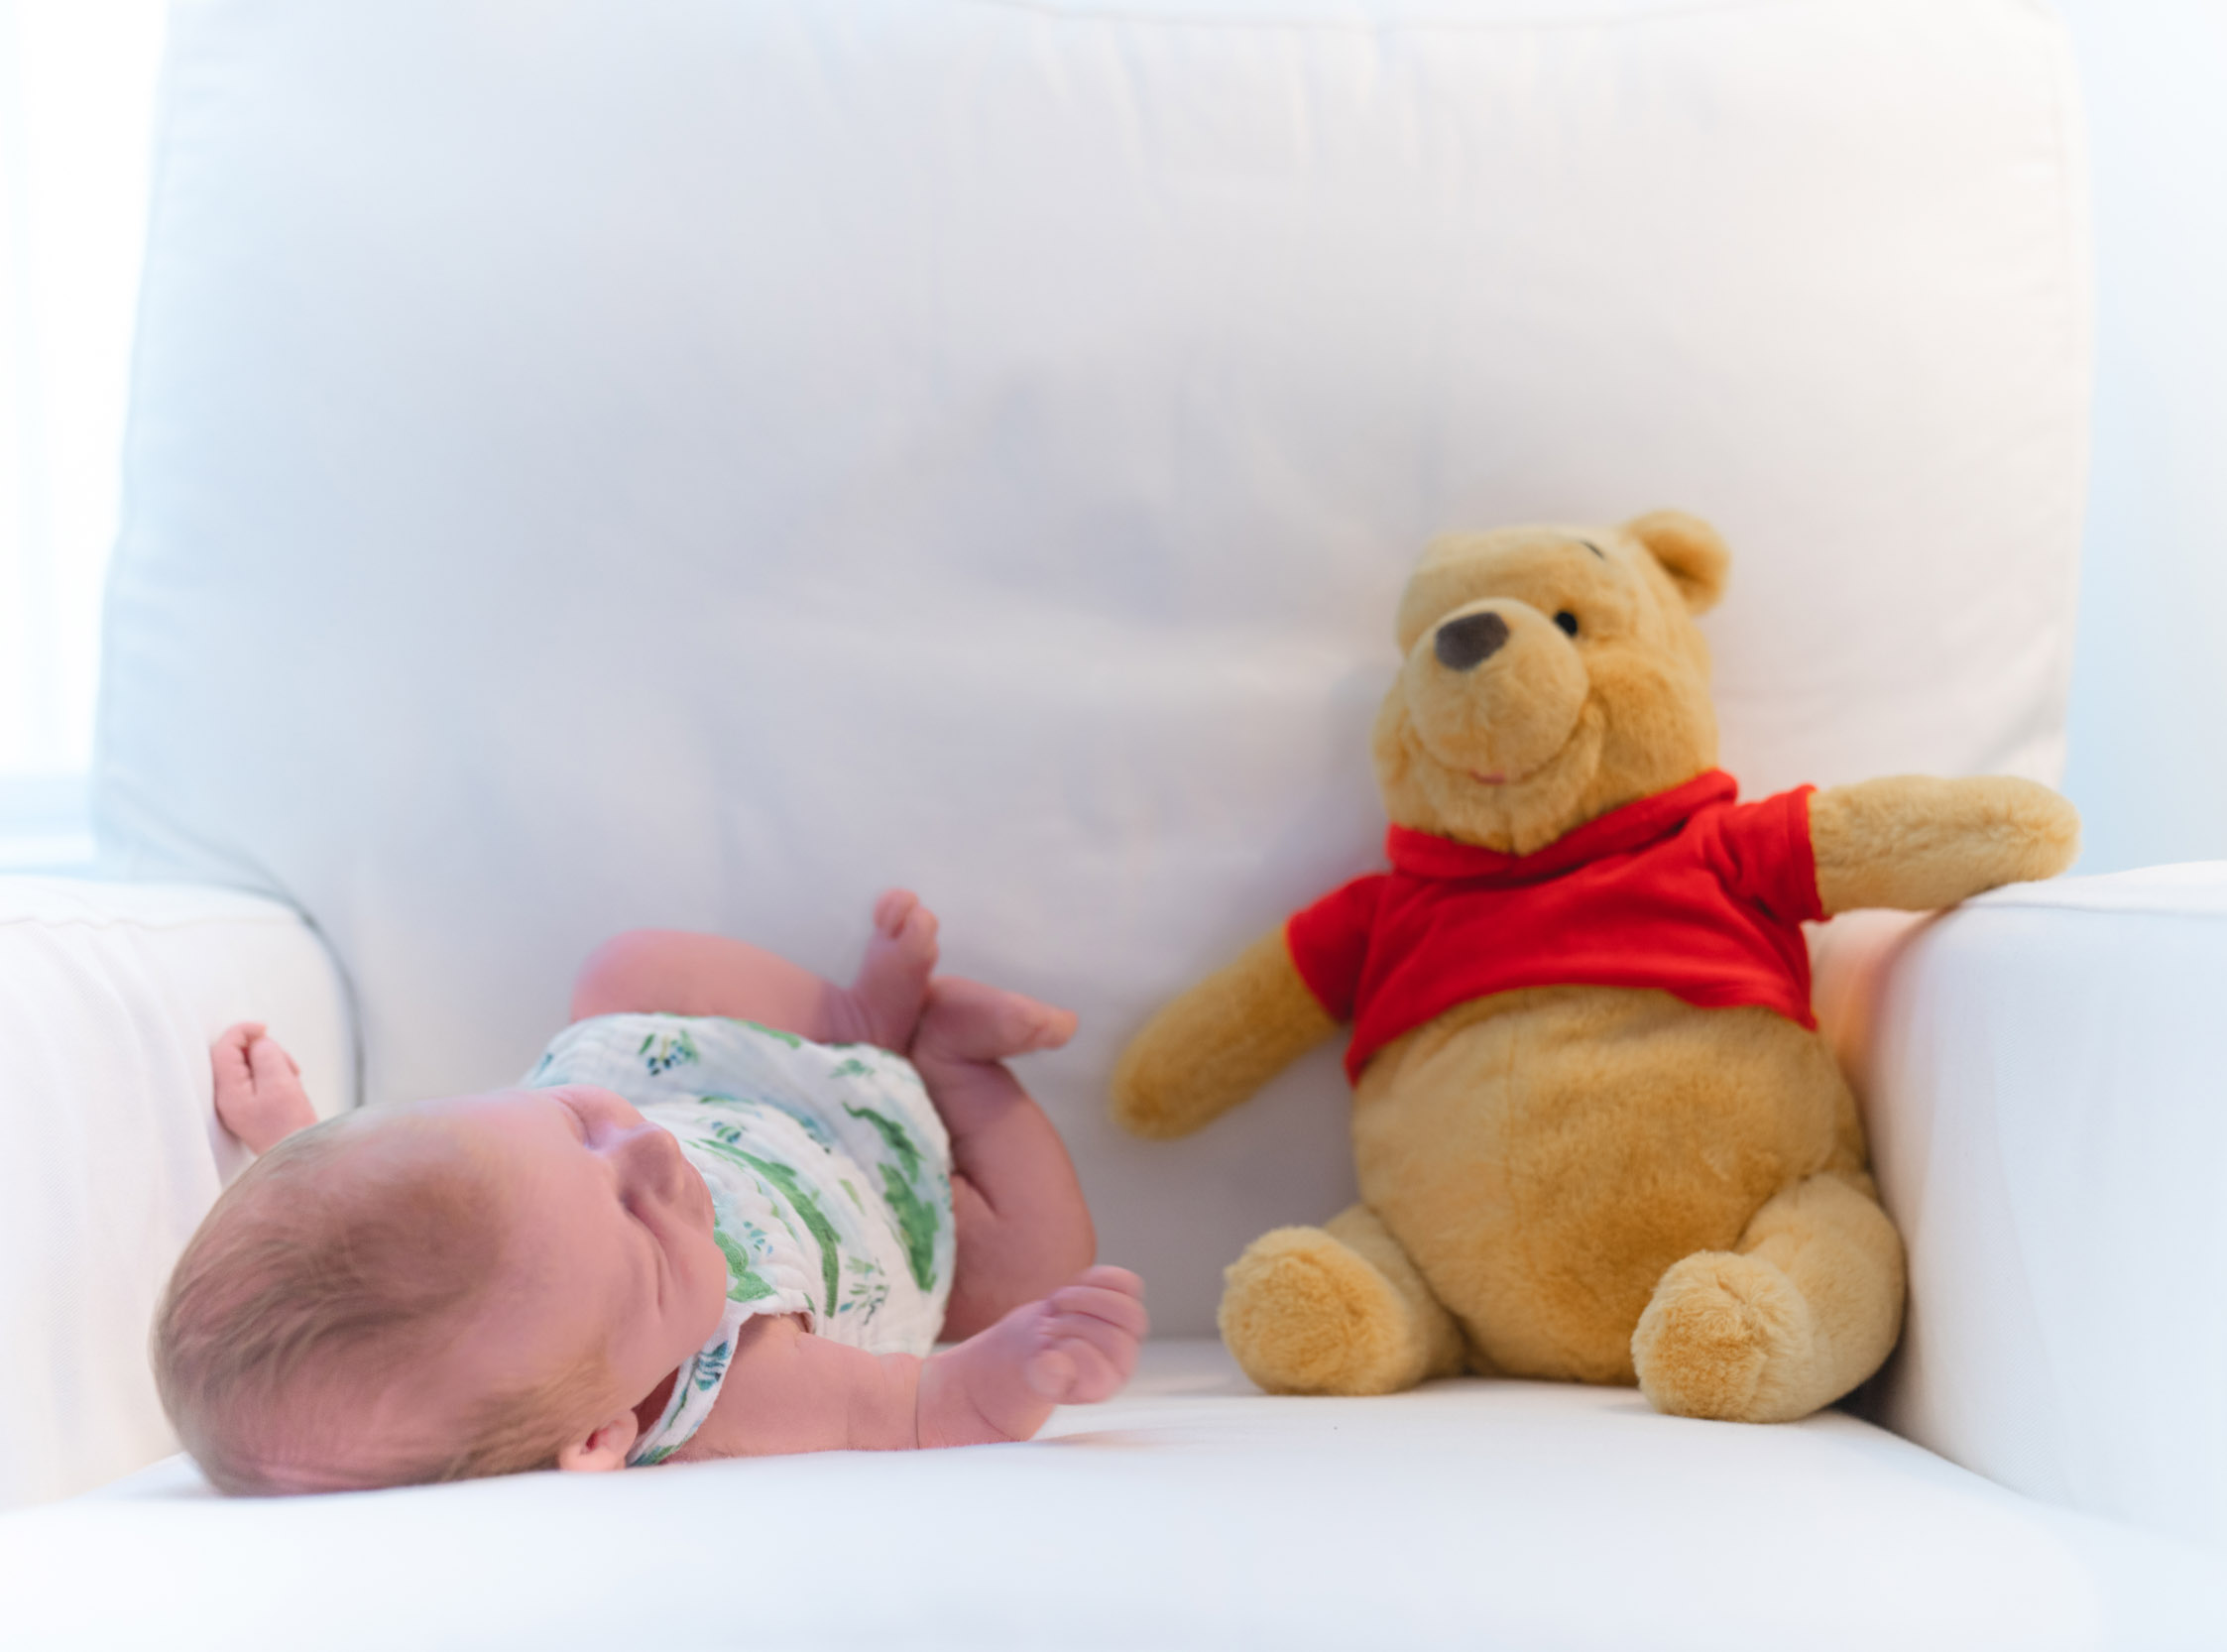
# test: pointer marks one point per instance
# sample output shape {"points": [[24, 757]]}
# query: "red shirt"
{"points": [[1685, 890]]}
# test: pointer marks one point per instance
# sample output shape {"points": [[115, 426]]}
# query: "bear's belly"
{"points": [[1544, 1155]]}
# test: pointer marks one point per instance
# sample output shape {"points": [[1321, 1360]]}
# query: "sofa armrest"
{"points": [[2043, 1073], [109, 996]]}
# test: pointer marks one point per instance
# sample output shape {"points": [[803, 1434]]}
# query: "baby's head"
{"points": [[456, 1288]]}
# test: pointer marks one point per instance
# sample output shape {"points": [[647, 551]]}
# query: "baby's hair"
{"points": [[321, 1278]]}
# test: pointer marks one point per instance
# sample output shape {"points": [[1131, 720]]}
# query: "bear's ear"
{"points": [[1690, 552]]}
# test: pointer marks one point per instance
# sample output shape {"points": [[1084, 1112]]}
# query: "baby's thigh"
{"points": [[674, 972]]}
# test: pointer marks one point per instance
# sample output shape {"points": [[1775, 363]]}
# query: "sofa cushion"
{"points": [[1192, 1512], [109, 998], [598, 464], [2041, 1071]]}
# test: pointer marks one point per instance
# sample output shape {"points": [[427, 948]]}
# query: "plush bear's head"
{"points": [[1552, 674]]}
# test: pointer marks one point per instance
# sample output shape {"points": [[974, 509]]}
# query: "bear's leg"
{"points": [[1334, 1310], [1805, 1308]]}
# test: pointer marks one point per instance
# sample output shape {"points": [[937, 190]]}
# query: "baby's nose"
{"points": [[1465, 644], [651, 1154]]}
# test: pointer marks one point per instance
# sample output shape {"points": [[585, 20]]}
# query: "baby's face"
{"points": [[608, 1236]]}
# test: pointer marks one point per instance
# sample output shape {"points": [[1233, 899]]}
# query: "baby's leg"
{"points": [[672, 971], [787, 1390], [1021, 1223]]}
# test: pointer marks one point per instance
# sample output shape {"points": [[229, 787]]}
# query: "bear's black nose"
{"points": [[1465, 644]]}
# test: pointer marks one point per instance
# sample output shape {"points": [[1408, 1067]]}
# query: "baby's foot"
{"points": [[892, 982], [964, 1020], [259, 1094], [1077, 1347]]}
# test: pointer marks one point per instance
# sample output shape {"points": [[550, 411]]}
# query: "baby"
{"points": [[722, 1219]]}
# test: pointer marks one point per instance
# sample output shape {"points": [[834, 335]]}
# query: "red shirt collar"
{"points": [[1634, 826]]}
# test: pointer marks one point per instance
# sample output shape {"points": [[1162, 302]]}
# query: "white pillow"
{"points": [[597, 465]]}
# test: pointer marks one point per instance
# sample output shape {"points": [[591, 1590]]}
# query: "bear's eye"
{"points": [[1568, 623]]}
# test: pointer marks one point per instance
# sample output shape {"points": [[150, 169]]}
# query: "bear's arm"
{"points": [[1216, 1044], [1916, 843]]}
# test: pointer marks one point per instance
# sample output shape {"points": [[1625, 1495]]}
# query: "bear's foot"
{"points": [[1336, 1310], [1801, 1313], [1713, 1332]]}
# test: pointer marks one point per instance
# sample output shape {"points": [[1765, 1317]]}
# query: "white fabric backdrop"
{"points": [[2150, 685], [603, 464], [76, 105]]}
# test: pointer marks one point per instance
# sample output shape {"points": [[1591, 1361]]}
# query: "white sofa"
{"points": [[598, 464]]}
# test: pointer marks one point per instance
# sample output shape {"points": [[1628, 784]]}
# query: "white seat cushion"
{"points": [[1189, 1513]]}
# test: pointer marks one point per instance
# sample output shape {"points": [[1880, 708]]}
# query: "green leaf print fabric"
{"points": [[829, 1174]]}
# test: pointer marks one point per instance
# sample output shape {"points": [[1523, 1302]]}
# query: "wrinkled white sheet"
{"points": [[697, 464]]}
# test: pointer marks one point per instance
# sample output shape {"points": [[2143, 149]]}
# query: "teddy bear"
{"points": [[1597, 1133]]}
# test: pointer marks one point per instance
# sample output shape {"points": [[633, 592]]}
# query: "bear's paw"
{"points": [[1724, 1336], [1304, 1314]]}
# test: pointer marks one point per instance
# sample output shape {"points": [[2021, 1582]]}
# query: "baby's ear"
{"points": [[1690, 552], [606, 1447]]}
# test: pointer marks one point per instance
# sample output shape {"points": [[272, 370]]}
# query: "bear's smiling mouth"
{"points": [[1504, 781]]}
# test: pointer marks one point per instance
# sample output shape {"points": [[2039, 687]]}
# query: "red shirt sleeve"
{"points": [[1768, 858], [1329, 942]]}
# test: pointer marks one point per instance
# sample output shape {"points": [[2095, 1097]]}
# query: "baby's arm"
{"points": [[259, 1094], [787, 1390]]}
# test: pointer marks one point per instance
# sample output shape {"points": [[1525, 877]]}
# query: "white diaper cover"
{"points": [[830, 1177]]}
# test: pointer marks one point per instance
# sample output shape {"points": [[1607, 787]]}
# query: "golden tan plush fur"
{"points": [[1916, 843], [1594, 1183], [1545, 1155], [1337, 1308], [1795, 1316], [1551, 730], [1218, 1043]]}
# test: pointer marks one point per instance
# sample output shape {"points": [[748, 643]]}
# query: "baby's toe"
{"points": [[1107, 1277], [1053, 1026], [1111, 1304], [910, 937], [1101, 1348], [892, 909], [1050, 1372], [1091, 1374], [1098, 1379]]}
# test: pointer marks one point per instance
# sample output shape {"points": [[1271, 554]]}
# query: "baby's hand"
{"points": [[259, 1094], [1088, 1332]]}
